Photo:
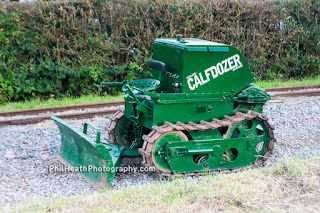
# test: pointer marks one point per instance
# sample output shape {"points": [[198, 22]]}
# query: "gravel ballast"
{"points": [[26, 152]]}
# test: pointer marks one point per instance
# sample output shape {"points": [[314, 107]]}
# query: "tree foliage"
{"points": [[52, 49]]}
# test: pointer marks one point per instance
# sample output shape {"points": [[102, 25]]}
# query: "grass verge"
{"points": [[37, 103], [289, 83], [291, 185]]}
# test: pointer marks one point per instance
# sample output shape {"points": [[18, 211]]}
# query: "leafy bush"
{"points": [[54, 49]]}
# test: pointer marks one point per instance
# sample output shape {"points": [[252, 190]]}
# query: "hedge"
{"points": [[54, 49]]}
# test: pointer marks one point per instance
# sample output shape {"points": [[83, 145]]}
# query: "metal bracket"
{"points": [[85, 130]]}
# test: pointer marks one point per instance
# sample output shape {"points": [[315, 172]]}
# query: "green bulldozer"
{"points": [[199, 113]]}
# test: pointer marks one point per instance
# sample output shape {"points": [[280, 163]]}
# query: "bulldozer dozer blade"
{"points": [[97, 162]]}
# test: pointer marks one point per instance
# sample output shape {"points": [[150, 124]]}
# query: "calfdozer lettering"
{"points": [[198, 79]]}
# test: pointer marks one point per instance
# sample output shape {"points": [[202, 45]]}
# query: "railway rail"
{"points": [[38, 119], [308, 90], [296, 91], [284, 89], [59, 108]]}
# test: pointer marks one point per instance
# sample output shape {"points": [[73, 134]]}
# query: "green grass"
{"points": [[289, 83], [291, 185], [37, 103]]}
